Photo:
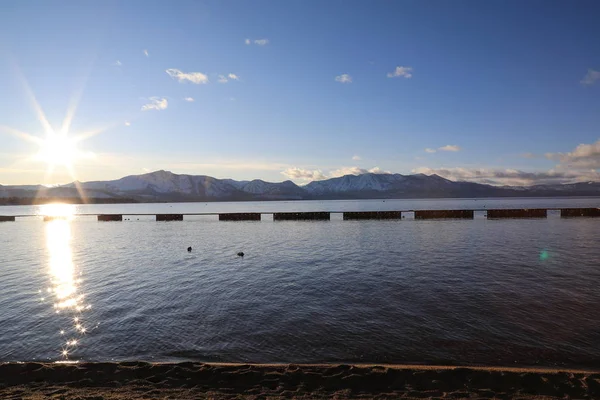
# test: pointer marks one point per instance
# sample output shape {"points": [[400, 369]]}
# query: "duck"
{"points": [[240, 254], [190, 249]]}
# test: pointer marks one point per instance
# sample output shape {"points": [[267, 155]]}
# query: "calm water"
{"points": [[505, 292]]}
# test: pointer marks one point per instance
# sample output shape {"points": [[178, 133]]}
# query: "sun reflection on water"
{"points": [[65, 284], [57, 211]]}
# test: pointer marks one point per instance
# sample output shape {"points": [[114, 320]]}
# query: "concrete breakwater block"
{"points": [[441, 214], [240, 217], [301, 216], [360, 215], [518, 213]]}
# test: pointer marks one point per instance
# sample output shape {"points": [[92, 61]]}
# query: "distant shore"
{"points": [[137, 380]]}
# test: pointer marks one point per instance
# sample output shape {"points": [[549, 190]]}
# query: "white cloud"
{"points": [[429, 150], [511, 177], [356, 171], [127, 123], [528, 155], [401, 71], [303, 174], [118, 63], [194, 77], [146, 53], [584, 156], [156, 103], [233, 77], [591, 77], [189, 99], [247, 41], [318, 175], [356, 158], [449, 147], [344, 78], [222, 79]]}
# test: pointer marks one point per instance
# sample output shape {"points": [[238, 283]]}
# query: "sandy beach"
{"points": [[139, 380]]}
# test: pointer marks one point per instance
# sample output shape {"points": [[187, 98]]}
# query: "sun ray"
{"points": [[36, 106], [75, 99], [21, 135], [78, 187], [91, 133]]}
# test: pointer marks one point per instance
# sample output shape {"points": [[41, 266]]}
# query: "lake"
{"points": [[476, 292]]}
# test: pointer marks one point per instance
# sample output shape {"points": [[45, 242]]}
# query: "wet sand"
{"points": [[138, 380]]}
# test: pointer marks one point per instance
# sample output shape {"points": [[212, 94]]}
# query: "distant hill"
{"points": [[163, 186]]}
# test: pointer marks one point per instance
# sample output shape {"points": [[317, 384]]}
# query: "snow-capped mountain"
{"points": [[167, 186]]}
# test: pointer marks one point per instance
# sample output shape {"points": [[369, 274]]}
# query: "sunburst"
{"points": [[57, 148]]}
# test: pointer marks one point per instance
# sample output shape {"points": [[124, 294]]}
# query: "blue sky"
{"points": [[504, 92]]}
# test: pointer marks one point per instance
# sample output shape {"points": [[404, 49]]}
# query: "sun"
{"points": [[58, 149]]}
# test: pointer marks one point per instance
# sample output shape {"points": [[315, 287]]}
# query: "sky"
{"points": [[501, 92]]}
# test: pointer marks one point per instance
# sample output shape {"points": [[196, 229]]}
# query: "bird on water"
{"points": [[240, 254], [190, 249]]}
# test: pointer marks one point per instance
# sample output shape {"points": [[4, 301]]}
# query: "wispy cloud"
{"points": [[127, 123], [258, 42], [194, 77], [528, 155], [226, 78], [156, 103], [344, 78], [118, 63], [356, 158], [189, 99], [146, 53], [406, 72], [448, 147], [510, 177], [591, 77]]}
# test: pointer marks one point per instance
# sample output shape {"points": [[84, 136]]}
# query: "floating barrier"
{"points": [[110, 217], [302, 216], [444, 214], [580, 212], [518, 213], [169, 217], [7, 218], [240, 217], [360, 215]]}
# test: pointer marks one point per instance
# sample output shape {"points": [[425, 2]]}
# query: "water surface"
{"points": [[503, 292]]}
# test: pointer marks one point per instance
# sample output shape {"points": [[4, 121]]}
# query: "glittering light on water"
{"points": [[65, 281], [544, 255]]}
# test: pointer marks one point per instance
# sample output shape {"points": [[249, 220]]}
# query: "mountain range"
{"points": [[165, 186]]}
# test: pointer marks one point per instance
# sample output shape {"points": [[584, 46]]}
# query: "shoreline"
{"points": [[187, 380]]}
